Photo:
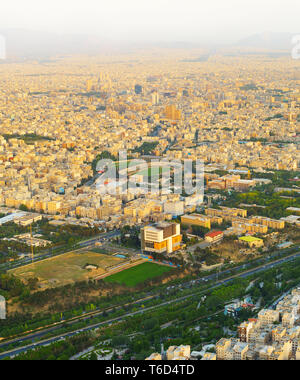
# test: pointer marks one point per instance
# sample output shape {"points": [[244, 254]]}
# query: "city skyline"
{"points": [[149, 182]]}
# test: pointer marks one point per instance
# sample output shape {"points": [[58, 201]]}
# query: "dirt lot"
{"points": [[67, 268]]}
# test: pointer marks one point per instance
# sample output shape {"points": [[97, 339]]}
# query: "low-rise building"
{"points": [[154, 356], [271, 223], [251, 241], [214, 236], [275, 335], [196, 220], [179, 353]]}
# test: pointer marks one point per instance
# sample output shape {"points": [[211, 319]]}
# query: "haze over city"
{"points": [[214, 21], [150, 183]]}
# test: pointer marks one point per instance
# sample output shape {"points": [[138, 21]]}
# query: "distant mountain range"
{"points": [[25, 44], [30, 44], [268, 41]]}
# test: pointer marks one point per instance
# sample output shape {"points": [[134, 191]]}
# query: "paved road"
{"points": [[202, 245], [46, 330], [94, 326], [101, 238]]}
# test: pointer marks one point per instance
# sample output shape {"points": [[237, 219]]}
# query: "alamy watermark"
{"points": [[2, 47], [2, 308], [157, 176], [296, 47]]}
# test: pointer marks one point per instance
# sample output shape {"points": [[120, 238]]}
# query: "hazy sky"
{"points": [[154, 20]]}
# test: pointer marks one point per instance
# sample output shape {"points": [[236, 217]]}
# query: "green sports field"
{"points": [[135, 275], [153, 171]]}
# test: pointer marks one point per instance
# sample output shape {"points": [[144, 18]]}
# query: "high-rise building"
{"points": [[138, 89], [172, 113], [155, 98], [89, 85], [161, 238]]}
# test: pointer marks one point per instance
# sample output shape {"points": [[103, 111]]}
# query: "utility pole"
{"points": [[32, 251]]}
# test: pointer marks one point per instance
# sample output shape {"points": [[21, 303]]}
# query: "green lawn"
{"points": [[138, 274], [153, 171]]}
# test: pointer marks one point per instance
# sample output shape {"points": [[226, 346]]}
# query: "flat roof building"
{"points": [[161, 238]]}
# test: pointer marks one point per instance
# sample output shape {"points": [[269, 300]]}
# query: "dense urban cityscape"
{"points": [[150, 205]]}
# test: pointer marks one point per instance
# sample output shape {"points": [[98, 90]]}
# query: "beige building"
{"points": [[196, 220], [275, 335], [271, 223], [154, 356], [179, 353]]}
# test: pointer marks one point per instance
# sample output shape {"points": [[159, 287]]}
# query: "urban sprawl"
{"points": [[119, 271]]}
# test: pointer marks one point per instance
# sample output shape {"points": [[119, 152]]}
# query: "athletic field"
{"points": [[67, 268], [153, 171], [135, 275]]}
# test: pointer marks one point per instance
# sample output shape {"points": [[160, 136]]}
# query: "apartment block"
{"points": [[196, 220]]}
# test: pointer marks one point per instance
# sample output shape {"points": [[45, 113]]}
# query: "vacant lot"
{"points": [[138, 274], [67, 268]]}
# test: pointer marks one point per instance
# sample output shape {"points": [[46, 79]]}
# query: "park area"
{"points": [[137, 274], [154, 171], [68, 268]]}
